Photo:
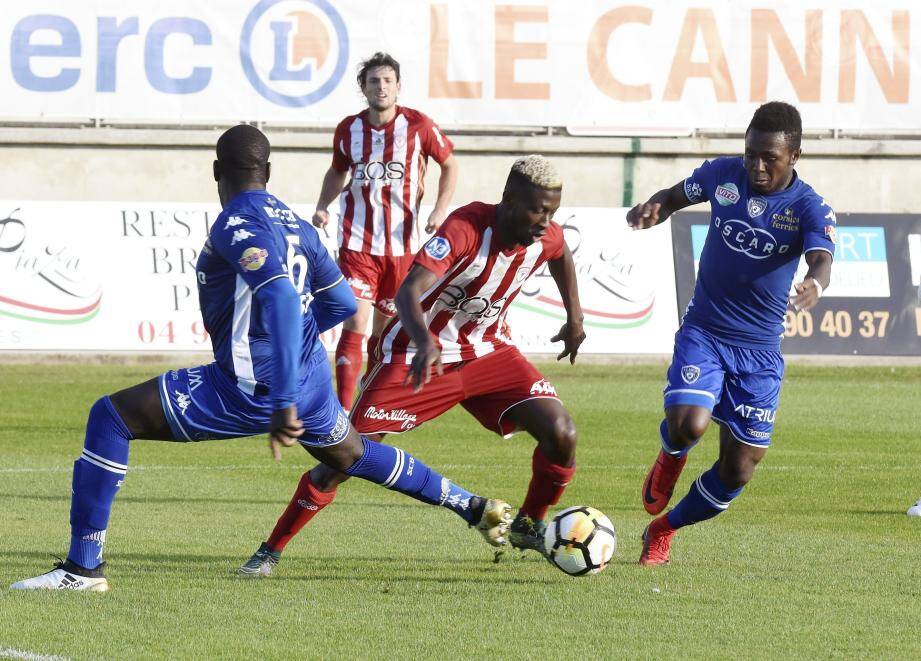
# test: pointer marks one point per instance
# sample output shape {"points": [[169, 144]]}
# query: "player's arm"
{"points": [[418, 280], [572, 334], [333, 304], [658, 207], [447, 182], [333, 181], [816, 280]]}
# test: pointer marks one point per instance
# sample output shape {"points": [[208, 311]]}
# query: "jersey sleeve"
{"points": [[452, 242], [435, 143], [553, 241], [342, 159], [819, 227], [700, 185], [251, 248]]}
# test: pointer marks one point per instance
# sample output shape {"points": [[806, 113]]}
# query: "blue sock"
{"points": [[98, 474], [707, 497], [668, 449], [400, 471]]}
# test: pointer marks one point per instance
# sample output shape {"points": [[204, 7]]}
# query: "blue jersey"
{"points": [[751, 252], [255, 240]]}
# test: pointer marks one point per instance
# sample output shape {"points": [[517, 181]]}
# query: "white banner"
{"points": [[643, 67], [111, 276]]}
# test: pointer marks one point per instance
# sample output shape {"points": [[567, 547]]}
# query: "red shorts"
{"points": [[488, 387], [375, 278]]}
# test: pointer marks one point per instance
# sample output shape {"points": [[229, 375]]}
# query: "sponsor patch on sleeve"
{"points": [[253, 258], [831, 233], [693, 190], [438, 248]]}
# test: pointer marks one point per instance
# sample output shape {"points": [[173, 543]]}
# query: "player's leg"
{"points": [[694, 382], [348, 353], [378, 321], [98, 475], [391, 274]]}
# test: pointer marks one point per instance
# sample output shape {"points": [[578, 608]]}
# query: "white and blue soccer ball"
{"points": [[580, 540]]}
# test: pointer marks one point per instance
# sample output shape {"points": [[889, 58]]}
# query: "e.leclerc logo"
{"points": [[41, 279], [294, 52]]}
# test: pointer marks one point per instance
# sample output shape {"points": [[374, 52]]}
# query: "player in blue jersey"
{"points": [[267, 289], [727, 364]]}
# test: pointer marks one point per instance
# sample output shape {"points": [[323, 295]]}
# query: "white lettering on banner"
{"points": [[406, 420], [662, 68]]}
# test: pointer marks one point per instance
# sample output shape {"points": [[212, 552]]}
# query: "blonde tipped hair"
{"points": [[538, 171]]}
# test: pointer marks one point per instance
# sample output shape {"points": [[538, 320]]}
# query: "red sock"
{"points": [[548, 481], [305, 504], [372, 358], [348, 366]]}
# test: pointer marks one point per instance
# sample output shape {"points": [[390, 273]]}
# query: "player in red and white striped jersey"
{"points": [[384, 151], [450, 308]]}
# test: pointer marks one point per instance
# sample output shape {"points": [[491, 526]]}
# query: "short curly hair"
{"points": [[777, 117], [379, 59], [536, 170]]}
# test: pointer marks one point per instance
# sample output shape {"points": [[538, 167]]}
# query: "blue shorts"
{"points": [[741, 387], [203, 403]]}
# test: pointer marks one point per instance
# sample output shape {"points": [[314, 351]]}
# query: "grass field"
{"points": [[815, 559]]}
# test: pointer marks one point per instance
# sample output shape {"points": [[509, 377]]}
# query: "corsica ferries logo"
{"points": [[41, 279], [615, 289]]}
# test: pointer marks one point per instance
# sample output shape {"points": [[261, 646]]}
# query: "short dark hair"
{"points": [[379, 59], [777, 117], [243, 151]]}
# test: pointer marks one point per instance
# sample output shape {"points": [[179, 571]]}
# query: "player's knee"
{"points": [[561, 448], [326, 479], [687, 429]]}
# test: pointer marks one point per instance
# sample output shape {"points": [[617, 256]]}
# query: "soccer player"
{"points": [[451, 308], [727, 364], [267, 288], [384, 150]]}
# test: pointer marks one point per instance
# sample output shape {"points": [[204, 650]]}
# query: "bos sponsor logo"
{"points": [[693, 191], [543, 387], [407, 420], [253, 258], [754, 242], [756, 206], [727, 194], [690, 374], [364, 173], [438, 247], [475, 307], [294, 52], [755, 413]]}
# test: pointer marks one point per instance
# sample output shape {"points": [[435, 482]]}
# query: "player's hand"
{"points": [[436, 218], [420, 371], [284, 429], [808, 293], [572, 336], [320, 218], [643, 215]]}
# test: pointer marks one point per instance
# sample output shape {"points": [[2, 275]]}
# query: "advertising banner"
{"points": [[872, 305], [645, 67], [113, 276]]}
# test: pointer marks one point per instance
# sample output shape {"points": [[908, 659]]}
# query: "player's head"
{"points": [[772, 146], [242, 161], [531, 197], [379, 80]]}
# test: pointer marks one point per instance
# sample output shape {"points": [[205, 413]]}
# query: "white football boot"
{"points": [[494, 522], [915, 510], [66, 576]]}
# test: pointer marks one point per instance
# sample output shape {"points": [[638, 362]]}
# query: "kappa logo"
{"points": [[294, 52], [543, 387], [182, 401], [241, 235], [693, 191], [755, 242], [727, 194], [690, 374], [756, 206], [234, 221], [438, 247]]}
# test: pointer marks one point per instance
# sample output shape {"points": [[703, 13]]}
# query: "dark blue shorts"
{"points": [[740, 386], [203, 403]]}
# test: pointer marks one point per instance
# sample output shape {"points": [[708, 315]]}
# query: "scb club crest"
{"points": [[690, 373], [294, 52], [756, 207]]}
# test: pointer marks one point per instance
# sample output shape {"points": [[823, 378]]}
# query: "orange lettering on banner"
{"points": [[439, 85], [716, 68], [597, 53], [806, 79], [509, 51], [892, 81]]}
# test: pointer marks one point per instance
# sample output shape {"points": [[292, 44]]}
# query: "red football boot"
{"points": [[659, 484], [657, 542]]}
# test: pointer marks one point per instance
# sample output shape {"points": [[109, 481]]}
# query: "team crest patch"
{"points": [[832, 233], [438, 247], [727, 194], [756, 207], [253, 258], [690, 373]]}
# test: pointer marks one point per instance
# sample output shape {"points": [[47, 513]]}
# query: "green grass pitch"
{"points": [[815, 559]]}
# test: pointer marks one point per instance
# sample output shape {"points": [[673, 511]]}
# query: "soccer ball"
{"points": [[580, 540]]}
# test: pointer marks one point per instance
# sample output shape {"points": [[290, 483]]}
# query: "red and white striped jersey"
{"points": [[477, 281], [379, 206]]}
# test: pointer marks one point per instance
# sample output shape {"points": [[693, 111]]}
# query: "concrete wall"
{"points": [[855, 175]]}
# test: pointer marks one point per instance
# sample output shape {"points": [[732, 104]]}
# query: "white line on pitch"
{"points": [[12, 653]]}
